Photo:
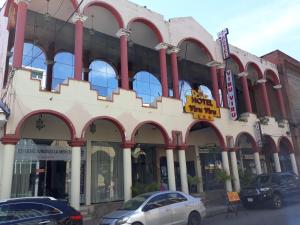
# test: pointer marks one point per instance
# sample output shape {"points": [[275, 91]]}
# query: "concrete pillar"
{"points": [[8, 158], [215, 85], [163, 68], [257, 163], [174, 67], [183, 171], [20, 33], [246, 94], [123, 34], [127, 172], [75, 177], [294, 164], [226, 168], [277, 162], [171, 170], [199, 171], [235, 172], [78, 19]]}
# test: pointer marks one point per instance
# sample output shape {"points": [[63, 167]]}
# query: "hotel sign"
{"points": [[231, 94], [201, 107], [224, 43]]}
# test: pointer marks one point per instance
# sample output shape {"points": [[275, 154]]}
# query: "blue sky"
{"points": [[257, 26]]}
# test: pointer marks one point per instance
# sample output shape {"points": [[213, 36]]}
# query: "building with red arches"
{"points": [[100, 98]]}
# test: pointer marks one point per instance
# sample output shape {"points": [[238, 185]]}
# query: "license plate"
{"points": [[250, 199]]}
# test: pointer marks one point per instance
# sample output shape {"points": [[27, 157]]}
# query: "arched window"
{"points": [[184, 90], [63, 68], [147, 86], [103, 77], [206, 91]]}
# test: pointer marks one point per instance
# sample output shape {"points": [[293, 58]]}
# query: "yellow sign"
{"points": [[233, 197], [201, 107]]}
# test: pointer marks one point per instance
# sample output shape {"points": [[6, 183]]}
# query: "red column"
{"points": [[265, 99], [50, 63], [246, 94], [175, 73], [20, 34], [223, 87], [215, 86], [281, 102], [124, 61], [163, 69], [78, 49]]}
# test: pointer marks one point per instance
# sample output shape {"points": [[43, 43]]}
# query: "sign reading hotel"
{"points": [[231, 95], [201, 107], [224, 43]]}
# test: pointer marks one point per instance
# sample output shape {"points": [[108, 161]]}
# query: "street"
{"points": [[288, 215]]}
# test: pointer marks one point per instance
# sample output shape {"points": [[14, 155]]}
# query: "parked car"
{"points": [[38, 210], [158, 208], [271, 189]]}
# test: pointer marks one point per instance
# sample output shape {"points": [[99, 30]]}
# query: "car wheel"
{"points": [[276, 201], [194, 218]]}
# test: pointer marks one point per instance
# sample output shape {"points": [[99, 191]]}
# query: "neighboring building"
{"points": [[289, 73], [126, 109]]}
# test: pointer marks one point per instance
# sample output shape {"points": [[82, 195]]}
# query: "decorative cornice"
{"points": [[261, 81], [10, 139], [77, 142], [214, 63], [173, 49], [243, 74], [78, 16], [123, 31], [161, 45], [128, 144], [170, 147], [278, 86]]}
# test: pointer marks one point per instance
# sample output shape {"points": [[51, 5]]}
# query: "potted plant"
{"points": [[193, 181]]}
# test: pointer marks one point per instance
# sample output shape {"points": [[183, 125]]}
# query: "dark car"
{"points": [[271, 189], [38, 210]]}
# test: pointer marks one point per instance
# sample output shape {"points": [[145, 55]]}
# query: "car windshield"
{"points": [[260, 180], [135, 202]]}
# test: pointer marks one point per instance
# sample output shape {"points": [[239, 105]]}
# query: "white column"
{"points": [[75, 177], [199, 171], [8, 155], [183, 173], [294, 164], [88, 173], [277, 162], [226, 168], [235, 172], [171, 171], [127, 173], [257, 163]]}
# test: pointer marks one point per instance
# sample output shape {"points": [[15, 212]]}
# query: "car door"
{"points": [[157, 211], [27, 213], [179, 206]]}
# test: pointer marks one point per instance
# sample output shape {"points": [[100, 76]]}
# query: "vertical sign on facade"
{"points": [[231, 94], [258, 135], [3, 47], [224, 43]]}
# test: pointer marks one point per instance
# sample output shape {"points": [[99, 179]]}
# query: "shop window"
{"points": [[107, 172], [147, 86], [103, 78], [63, 68]]}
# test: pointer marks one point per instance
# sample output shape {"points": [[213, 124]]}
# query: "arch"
{"points": [[210, 124], [59, 115], [38, 53], [267, 139], [199, 43], [252, 140], [256, 67], [107, 118], [238, 61], [153, 89], [150, 25], [157, 125], [285, 141], [272, 76], [110, 8]]}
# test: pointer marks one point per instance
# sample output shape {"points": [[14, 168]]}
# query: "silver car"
{"points": [[158, 208]]}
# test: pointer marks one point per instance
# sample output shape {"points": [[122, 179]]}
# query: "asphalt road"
{"points": [[288, 215]]}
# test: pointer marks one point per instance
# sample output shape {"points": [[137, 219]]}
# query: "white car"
{"points": [[158, 208]]}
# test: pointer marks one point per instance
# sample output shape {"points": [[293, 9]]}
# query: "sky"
{"points": [[257, 26]]}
